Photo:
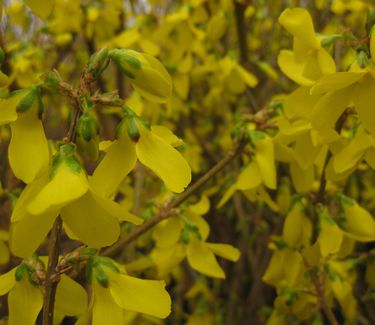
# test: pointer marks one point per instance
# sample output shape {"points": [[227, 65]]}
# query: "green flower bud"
{"points": [[132, 129], [97, 64], [52, 80], [87, 136], [27, 101], [146, 74]]}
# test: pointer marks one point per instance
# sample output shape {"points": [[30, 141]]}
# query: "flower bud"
{"points": [[132, 129], [146, 74], [97, 64], [52, 80], [87, 136]]}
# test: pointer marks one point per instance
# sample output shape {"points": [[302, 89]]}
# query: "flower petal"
{"points": [[329, 108], [7, 281], [116, 210], [89, 222], [359, 223], [163, 160], [250, 177], [225, 251], [292, 69], [66, 186], [105, 310], [298, 22], [8, 109], [42, 8], [27, 195], [116, 164], [335, 81], [143, 296], [202, 259], [28, 233], [25, 302], [71, 298], [28, 144], [167, 232], [265, 158], [364, 98]]}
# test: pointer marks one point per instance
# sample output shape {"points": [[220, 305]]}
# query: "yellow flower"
{"points": [[114, 291], [359, 223], [308, 61], [28, 149], [176, 240], [88, 216], [152, 148], [340, 89], [25, 298], [330, 235], [297, 229], [260, 170]]}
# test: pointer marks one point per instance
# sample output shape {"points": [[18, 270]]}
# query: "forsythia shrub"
{"points": [[143, 143]]}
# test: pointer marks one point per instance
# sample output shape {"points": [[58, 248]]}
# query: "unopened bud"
{"points": [[52, 80], [146, 74], [97, 64]]}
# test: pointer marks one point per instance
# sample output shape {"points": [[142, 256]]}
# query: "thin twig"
{"points": [[168, 209], [51, 283], [54, 242]]}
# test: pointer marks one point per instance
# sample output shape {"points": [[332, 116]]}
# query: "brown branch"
{"points": [[52, 277], [51, 283], [168, 209], [318, 281]]}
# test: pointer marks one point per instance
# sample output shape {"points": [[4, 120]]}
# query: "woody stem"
{"points": [[54, 246]]}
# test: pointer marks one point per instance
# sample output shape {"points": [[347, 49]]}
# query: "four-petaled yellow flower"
{"points": [[87, 215]]}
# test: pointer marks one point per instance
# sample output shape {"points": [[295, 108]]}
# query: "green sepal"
{"points": [[344, 199], [21, 271], [125, 62], [330, 39], [88, 269], [132, 129], [132, 61], [66, 155], [27, 101], [256, 136], [101, 276], [88, 251], [107, 262]]}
